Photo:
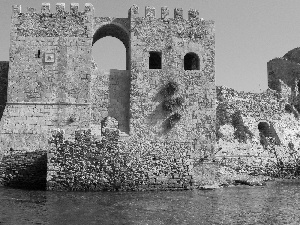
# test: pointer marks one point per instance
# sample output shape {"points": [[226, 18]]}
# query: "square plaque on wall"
{"points": [[49, 57]]}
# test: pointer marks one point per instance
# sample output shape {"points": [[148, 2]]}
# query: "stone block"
{"points": [[133, 11], [149, 12], [60, 7], [193, 14], [178, 13], [89, 8], [165, 12], [16, 9], [45, 8]]}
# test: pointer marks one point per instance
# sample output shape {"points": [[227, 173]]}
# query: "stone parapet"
{"points": [[59, 8], [193, 14], [86, 164], [32, 23]]}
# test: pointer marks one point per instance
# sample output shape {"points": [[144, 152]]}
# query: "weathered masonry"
{"points": [[165, 96], [53, 82]]}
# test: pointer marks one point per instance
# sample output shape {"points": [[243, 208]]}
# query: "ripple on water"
{"points": [[276, 203]]}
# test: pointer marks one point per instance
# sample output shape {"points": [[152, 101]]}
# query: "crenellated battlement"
{"points": [[60, 8], [16, 9], [45, 23], [150, 12], [45, 8], [74, 7], [72, 22]]}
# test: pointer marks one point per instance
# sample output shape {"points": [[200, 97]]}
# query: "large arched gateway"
{"points": [[117, 30], [111, 98]]}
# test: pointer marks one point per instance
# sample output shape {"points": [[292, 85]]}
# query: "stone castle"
{"points": [[169, 114], [53, 81], [163, 104]]}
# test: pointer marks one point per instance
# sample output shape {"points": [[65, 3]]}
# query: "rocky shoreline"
{"points": [[227, 177]]}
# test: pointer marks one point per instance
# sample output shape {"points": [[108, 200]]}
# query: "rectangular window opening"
{"points": [[154, 60]]}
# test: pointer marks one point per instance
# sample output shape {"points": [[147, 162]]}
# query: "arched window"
{"points": [[191, 61], [155, 60]]}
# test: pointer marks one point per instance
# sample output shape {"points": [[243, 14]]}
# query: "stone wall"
{"points": [[28, 126], [249, 154], [242, 145], [110, 92], [173, 38], [64, 80], [24, 170], [254, 108], [49, 75], [87, 164], [267, 105], [73, 23], [64, 36]]}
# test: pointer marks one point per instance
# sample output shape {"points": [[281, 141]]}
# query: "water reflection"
{"points": [[277, 203]]}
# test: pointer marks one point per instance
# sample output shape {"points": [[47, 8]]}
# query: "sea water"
{"points": [[275, 203]]}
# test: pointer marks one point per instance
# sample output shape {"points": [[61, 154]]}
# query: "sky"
{"points": [[249, 33]]}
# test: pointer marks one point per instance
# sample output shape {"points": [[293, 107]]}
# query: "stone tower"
{"points": [[164, 99], [49, 74]]}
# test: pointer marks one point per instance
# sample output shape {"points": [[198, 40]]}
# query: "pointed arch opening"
{"points": [[110, 81], [111, 31]]}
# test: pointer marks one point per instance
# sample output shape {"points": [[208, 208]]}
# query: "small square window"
{"points": [[155, 60], [49, 57]]}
